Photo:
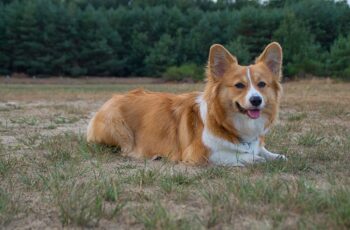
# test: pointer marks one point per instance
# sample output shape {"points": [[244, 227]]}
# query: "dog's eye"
{"points": [[261, 84], [240, 85]]}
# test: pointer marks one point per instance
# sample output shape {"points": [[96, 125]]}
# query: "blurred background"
{"points": [[169, 39]]}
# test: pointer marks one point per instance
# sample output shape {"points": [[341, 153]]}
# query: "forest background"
{"points": [[169, 38]]}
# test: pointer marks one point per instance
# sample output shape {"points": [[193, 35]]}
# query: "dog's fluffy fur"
{"points": [[219, 125]]}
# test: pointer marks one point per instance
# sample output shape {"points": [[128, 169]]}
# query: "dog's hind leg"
{"points": [[110, 130], [195, 154]]}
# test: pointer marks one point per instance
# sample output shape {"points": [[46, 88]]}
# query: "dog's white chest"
{"points": [[249, 129], [225, 152]]}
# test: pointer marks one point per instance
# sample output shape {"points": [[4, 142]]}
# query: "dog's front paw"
{"points": [[275, 156], [248, 159], [271, 156], [281, 157]]}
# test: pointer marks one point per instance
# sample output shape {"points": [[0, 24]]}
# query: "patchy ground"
{"points": [[51, 178]]}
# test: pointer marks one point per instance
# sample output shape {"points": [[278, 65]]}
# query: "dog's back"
{"points": [[147, 124]]}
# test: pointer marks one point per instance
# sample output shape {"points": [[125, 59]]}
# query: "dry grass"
{"points": [[51, 178]]}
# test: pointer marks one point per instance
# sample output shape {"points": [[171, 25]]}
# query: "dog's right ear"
{"points": [[220, 60]]}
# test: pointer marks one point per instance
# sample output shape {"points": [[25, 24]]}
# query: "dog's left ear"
{"points": [[272, 57]]}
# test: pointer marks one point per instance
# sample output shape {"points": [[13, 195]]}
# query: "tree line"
{"points": [[165, 37]]}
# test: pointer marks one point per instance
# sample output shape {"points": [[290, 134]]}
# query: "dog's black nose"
{"points": [[255, 100]]}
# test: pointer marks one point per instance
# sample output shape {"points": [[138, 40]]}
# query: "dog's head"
{"points": [[251, 90]]}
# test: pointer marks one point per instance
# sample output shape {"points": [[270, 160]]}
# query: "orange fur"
{"points": [[148, 124]]}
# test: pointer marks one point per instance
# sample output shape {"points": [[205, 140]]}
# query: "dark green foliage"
{"points": [[256, 26], [188, 72], [340, 57], [161, 55], [4, 56], [301, 52], [152, 37], [241, 50], [326, 19]]}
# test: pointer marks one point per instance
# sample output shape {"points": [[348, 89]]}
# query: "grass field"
{"points": [[51, 178]]}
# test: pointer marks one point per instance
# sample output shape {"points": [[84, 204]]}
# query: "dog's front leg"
{"points": [[225, 158], [252, 157], [235, 159], [237, 155], [269, 155]]}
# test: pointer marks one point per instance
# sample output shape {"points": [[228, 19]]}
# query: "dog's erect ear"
{"points": [[272, 57], [220, 60]]}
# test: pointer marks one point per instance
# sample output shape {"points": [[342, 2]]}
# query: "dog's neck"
{"points": [[237, 128]]}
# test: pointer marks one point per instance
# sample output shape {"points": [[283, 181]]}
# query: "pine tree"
{"points": [[161, 56], [95, 50], [241, 50], [62, 33], [326, 19], [256, 27], [12, 13], [4, 57], [28, 45], [300, 50], [339, 62]]}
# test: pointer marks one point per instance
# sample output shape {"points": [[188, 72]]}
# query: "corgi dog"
{"points": [[225, 124]]}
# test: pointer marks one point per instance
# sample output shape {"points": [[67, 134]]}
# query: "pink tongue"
{"points": [[253, 113]]}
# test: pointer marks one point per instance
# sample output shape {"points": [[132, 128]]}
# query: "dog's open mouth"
{"points": [[251, 113]]}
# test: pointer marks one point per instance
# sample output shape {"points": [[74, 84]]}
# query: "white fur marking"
{"points": [[203, 108], [270, 156], [223, 151], [252, 91], [249, 129]]}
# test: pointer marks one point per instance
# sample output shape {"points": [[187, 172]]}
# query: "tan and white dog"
{"points": [[224, 125]]}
